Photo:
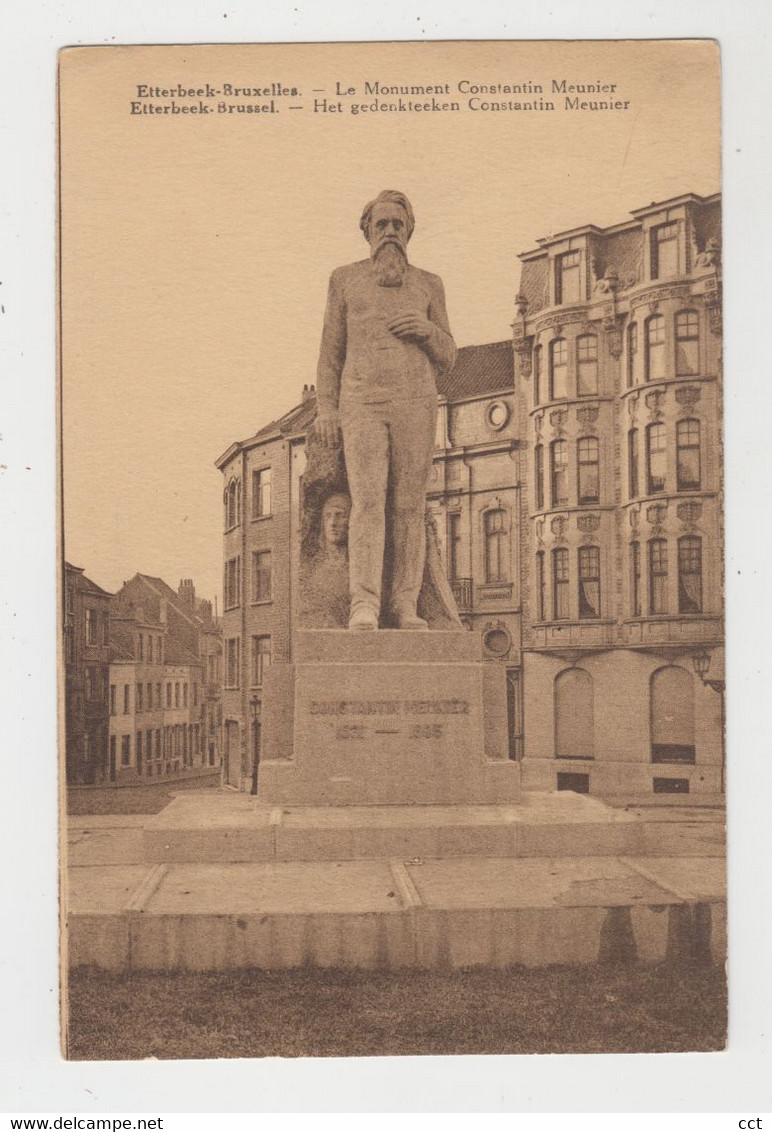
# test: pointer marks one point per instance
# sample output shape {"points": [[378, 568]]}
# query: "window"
{"points": [[149, 693], [158, 695], [232, 662], [655, 348], [140, 647], [148, 745], [232, 504], [158, 743], [658, 575], [632, 461], [690, 574], [149, 649], [578, 783], [232, 585], [168, 694], [589, 581], [138, 748], [560, 584], [125, 750], [126, 699], [672, 715], [635, 579], [664, 251], [632, 354], [559, 472], [261, 575], [454, 544], [671, 785], [139, 698], [687, 334], [558, 369], [195, 694], [574, 715], [586, 365], [176, 695], [185, 694], [160, 652], [496, 557], [537, 375], [92, 683], [568, 282], [588, 469], [261, 492], [656, 458], [261, 658], [541, 587], [688, 471], [91, 627], [538, 476], [112, 699]]}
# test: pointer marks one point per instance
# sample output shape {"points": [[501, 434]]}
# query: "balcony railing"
{"points": [[462, 592]]}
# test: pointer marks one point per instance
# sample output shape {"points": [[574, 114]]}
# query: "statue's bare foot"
{"points": [[363, 617]]}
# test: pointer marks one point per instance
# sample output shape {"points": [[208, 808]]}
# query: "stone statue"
{"points": [[711, 256], [386, 338]]}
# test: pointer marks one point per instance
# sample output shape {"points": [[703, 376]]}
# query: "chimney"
{"points": [[187, 593], [309, 392], [205, 611]]}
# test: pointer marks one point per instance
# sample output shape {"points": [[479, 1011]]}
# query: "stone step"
{"points": [[226, 827], [455, 912]]}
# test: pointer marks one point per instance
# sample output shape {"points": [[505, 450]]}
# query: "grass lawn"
{"points": [[133, 799], [331, 1013]]}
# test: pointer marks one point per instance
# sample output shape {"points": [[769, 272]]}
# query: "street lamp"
{"points": [[701, 661], [254, 704]]}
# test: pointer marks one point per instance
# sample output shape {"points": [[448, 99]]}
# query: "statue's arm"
{"points": [[332, 355], [440, 345]]}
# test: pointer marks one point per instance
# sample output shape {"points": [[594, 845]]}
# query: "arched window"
{"points": [[496, 549], [657, 575], [559, 472], [537, 375], [589, 581], [672, 715], [586, 365], [656, 458], [588, 469], [632, 462], [560, 608], [687, 344], [690, 574], [655, 347], [538, 476], [635, 579], [574, 716], [688, 472], [632, 354], [541, 588], [558, 369]]}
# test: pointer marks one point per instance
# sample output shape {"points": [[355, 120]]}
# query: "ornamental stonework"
{"points": [[558, 421], [654, 402], [689, 513], [587, 415], [656, 515], [588, 523], [558, 527], [688, 396]]}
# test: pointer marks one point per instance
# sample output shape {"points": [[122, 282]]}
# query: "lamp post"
{"points": [[254, 704], [701, 662]]}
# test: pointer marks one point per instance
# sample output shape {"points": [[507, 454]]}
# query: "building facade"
{"points": [[86, 632], [163, 702], [617, 341], [577, 499]]}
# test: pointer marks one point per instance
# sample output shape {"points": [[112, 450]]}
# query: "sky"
{"points": [[195, 251]]}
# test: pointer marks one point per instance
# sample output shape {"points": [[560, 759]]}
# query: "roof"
{"points": [[162, 589], [85, 584], [479, 369], [121, 641], [177, 653]]}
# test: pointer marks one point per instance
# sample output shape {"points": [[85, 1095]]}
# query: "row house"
{"points": [[86, 644]]}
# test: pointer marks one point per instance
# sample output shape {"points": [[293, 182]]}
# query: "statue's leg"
{"points": [[412, 427], [366, 452]]}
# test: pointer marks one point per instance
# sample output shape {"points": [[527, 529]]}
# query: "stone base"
{"points": [[386, 718]]}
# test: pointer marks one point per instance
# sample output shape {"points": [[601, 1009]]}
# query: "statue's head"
{"points": [[388, 224], [334, 525]]}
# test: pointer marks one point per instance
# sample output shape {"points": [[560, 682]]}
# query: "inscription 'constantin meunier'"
{"points": [[389, 707]]}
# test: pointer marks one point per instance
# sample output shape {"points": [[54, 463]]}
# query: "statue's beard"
{"points": [[389, 261]]}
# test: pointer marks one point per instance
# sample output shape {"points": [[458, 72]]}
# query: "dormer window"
{"points": [[568, 278], [664, 251]]}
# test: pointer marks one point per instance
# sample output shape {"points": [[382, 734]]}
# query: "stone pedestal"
{"points": [[387, 717]]}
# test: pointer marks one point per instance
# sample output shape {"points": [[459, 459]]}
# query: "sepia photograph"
{"points": [[391, 583]]}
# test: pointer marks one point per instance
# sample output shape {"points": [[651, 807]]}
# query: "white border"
{"points": [[34, 1078]]}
